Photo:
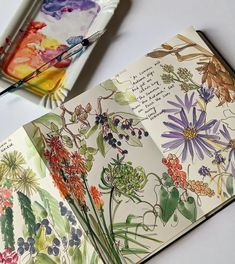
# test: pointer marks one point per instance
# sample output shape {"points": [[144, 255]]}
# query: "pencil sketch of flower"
{"points": [[179, 104], [12, 162], [230, 146], [26, 182], [193, 136]]}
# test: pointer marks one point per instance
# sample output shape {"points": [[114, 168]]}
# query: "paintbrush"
{"points": [[77, 48]]}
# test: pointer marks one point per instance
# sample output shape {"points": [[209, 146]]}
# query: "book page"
{"points": [[37, 224], [144, 157], [188, 96], [114, 176]]}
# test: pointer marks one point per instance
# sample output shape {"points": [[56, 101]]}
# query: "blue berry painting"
{"points": [[119, 172], [37, 226]]}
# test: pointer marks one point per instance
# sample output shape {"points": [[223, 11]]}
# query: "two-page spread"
{"points": [[121, 171]]}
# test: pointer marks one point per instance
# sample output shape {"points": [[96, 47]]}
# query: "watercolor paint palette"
{"points": [[41, 30]]}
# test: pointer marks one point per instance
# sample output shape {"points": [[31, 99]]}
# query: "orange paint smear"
{"points": [[34, 50]]}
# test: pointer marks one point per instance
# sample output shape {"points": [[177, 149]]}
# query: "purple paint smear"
{"points": [[56, 8]]}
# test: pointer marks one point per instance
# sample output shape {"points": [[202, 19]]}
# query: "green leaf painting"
{"points": [[48, 119], [112, 126], [109, 86], [33, 155], [101, 144], [51, 205], [54, 128], [229, 185], [124, 98], [168, 203], [99, 232], [95, 258], [168, 180], [188, 209], [67, 141], [91, 150], [39, 210], [7, 229], [77, 256], [131, 251], [42, 258], [27, 212], [92, 131], [36, 137], [41, 240], [84, 252]]}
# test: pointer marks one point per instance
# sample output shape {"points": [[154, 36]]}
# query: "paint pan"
{"points": [[41, 31]]}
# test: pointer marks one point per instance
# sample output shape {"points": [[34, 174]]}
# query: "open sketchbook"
{"points": [[121, 171]]}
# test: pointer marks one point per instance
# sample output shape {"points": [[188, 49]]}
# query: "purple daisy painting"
{"points": [[187, 103], [192, 136]]}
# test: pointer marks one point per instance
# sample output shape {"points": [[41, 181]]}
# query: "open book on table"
{"points": [[121, 171]]}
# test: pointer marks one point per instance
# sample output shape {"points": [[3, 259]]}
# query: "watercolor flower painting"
{"points": [[36, 227], [187, 103], [109, 173], [191, 136], [8, 256], [206, 94], [12, 163]]}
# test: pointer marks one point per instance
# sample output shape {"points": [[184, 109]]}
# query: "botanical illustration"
{"points": [[189, 133], [44, 38], [214, 75], [77, 138], [129, 194], [41, 230], [192, 137]]}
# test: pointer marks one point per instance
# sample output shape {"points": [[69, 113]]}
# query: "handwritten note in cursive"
{"points": [[149, 91]]}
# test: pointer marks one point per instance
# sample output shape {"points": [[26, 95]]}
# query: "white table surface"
{"points": [[137, 27]]}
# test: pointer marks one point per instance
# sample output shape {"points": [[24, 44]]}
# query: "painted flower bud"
{"points": [[88, 108], [83, 116], [79, 110]]}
